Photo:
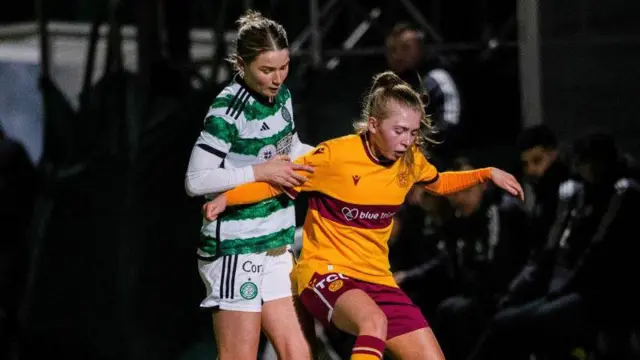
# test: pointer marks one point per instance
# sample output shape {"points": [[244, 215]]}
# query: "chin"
{"points": [[394, 157]]}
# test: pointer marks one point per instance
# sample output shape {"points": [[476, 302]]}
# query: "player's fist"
{"points": [[211, 209], [281, 171]]}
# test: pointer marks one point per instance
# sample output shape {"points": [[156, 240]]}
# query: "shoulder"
{"points": [[333, 148], [228, 94], [439, 77], [228, 101], [284, 89], [342, 142], [284, 96], [420, 158], [569, 189], [419, 153]]}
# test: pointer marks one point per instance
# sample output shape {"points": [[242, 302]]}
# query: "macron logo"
{"points": [[319, 151], [356, 179]]}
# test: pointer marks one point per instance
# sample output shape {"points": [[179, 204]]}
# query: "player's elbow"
{"points": [[191, 187]]}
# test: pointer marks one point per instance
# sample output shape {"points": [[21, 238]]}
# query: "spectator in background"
{"points": [[544, 170], [409, 57], [488, 243], [416, 252], [581, 276], [426, 71], [18, 187]]}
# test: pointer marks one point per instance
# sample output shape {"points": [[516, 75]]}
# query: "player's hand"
{"points": [[507, 182], [211, 209], [281, 171]]}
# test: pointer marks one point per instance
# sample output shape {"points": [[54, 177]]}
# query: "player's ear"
{"points": [[373, 125]]}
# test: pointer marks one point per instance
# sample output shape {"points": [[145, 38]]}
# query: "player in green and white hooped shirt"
{"points": [[244, 258]]}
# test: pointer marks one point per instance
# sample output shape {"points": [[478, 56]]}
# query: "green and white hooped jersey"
{"points": [[244, 129]]}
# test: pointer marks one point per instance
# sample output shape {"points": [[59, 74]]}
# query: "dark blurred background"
{"points": [[98, 236]]}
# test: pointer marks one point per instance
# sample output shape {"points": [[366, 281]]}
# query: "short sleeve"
{"points": [[320, 159], [427, 173]]}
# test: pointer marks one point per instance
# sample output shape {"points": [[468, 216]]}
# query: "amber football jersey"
{"points": [[353, 198]]}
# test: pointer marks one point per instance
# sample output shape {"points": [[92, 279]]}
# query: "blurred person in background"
{"points": [[544, 169], [410, 57], [487, 242], [416, 251], [417, 233], [580, 282]]}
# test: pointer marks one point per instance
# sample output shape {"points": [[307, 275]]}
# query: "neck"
{"points": [[375, 150], [250, 86]]}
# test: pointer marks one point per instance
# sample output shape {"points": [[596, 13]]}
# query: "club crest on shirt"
{"points": [[403, 179], [286, 115]]}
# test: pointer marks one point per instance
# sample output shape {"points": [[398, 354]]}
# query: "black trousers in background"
{"points": [[550, 326], [458, 323]]}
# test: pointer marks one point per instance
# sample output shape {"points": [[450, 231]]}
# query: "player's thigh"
{"points": [[281, 319], [356, 313], [420, 344], [237, 334], [335, 298], [284, 328], [233, 282], [276, 274]]}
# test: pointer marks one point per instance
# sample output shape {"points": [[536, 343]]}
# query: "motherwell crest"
{"points": [[403, 179]]}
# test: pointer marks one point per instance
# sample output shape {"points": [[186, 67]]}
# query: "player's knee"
{"points": [[375, 324], [237, 352], [295, 351], [295, 347], [241, 355]]}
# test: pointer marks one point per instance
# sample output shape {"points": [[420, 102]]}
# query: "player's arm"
{"points": [[317, 158], [258, 191], [453, 181], [206, 173]]}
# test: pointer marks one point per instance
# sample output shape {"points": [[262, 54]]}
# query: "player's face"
{"points": [[536, 161], [396, 134], [267, 72], [403, 51]]}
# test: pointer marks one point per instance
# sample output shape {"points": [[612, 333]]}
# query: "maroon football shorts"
{"points": [[323, 291]]}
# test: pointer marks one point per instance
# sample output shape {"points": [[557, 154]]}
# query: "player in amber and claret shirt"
{"points": [[358, 184]]}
